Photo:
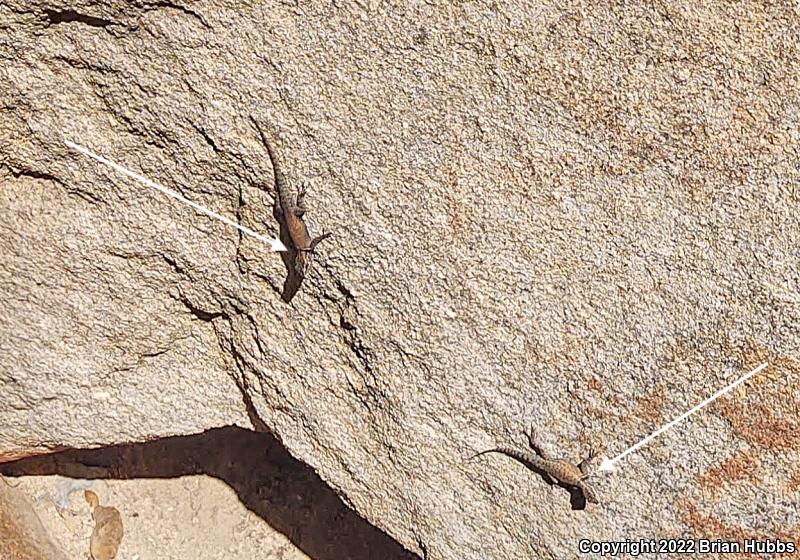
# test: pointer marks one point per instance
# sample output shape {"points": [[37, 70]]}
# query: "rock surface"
{"points": [[22, 536], [578, 216], [225, 493]]}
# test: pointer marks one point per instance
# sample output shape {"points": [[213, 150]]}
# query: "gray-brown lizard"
{"points": [[288, 210], [553, 470]]}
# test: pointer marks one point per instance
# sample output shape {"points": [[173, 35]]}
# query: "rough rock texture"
{"points": [[22, 536], [581, 216], [228, 493]]}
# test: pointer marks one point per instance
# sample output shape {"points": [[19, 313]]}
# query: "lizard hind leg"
{"points": [[540, 451], [316, 241], [589, 493]]}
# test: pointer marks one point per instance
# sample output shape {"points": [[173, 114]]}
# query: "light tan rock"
{"points": [[22, 536], [582, 215]]}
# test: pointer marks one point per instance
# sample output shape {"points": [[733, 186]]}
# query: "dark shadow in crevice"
{"points": [[283, 491], [67, 16]]}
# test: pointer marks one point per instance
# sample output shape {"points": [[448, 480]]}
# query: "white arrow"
{"points": [[275, 244], [608, 464]]}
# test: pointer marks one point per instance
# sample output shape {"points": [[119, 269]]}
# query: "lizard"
{"points": [[552, 469], [288, 211]]}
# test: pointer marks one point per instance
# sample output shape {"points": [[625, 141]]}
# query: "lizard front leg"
{"points": [[300, 202], [585, 466]]}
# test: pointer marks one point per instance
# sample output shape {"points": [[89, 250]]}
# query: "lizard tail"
{"points": [[471, 457], [513, 453], [280, 180]]}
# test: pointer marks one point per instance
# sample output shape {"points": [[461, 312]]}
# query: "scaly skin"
{"points": [[558, 469], [289, 211]]}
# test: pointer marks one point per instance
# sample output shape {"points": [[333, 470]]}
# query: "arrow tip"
{"points": [[606, 465], [277, 245]]}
